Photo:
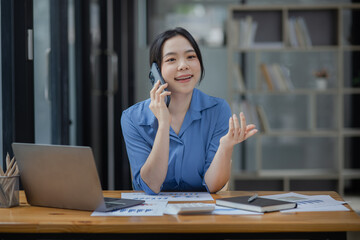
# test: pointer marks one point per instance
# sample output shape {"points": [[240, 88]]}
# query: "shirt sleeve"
{"points": [[223, 113], [138, 151]]}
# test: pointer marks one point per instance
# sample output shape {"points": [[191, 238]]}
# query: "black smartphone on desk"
{"points": [[154, 76]]}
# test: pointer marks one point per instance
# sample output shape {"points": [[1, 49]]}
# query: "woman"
{"points": [[186, 146]]}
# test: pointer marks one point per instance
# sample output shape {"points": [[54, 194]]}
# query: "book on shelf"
{"points": [[298, 33], [277, 77], [233, 27], [286, 76], [264, 124], [259, 204], [305, 32], [292, 33], [266, 75], [239, 78], [247, 31]]}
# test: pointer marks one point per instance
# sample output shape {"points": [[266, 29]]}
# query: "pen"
{"points": [[253, 197]]}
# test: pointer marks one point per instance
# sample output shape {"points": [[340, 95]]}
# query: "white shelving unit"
{"points": [[304, 143]]}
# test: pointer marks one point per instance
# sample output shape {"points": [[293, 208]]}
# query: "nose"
{"points": [[183, 65]]}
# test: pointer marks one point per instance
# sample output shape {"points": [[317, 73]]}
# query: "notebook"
{"points": [[63, 177], [257, 205]]}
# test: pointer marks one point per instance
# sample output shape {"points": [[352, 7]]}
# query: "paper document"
{"points": [[170, 196], [334, 208], [310, 203], [145, 209]]}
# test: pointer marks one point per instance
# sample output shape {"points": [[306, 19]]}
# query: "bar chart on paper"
{"points": [[170, 196]]}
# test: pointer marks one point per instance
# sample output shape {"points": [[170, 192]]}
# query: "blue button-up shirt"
{"points": [[191, 151]]}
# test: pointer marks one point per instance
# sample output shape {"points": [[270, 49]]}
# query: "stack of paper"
{"points": [[310, 203]]}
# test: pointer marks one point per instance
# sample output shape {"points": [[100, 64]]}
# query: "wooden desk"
{"points": [[41, 222]]}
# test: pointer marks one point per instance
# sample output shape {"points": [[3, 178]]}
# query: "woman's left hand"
{"points": [[238, 132]]}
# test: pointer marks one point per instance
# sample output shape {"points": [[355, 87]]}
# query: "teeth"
{"points": [[183, 78]]}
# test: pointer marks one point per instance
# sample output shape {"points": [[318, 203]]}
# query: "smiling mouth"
{"points": [[184, 78]]}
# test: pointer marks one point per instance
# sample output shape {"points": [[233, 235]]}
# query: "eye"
{"points": [[191, 56], [170, 60]]}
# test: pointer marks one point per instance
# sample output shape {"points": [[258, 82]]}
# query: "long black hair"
{"points": [[156, 46]]}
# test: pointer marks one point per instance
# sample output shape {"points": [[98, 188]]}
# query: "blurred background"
{"points": [[70, 67]]}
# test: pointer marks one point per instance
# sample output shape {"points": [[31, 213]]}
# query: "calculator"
{"points": [[189, 208]]}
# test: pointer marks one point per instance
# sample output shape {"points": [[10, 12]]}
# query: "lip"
{"points": [[184, 78]]}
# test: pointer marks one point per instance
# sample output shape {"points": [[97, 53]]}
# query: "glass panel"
{"points": [[215, 77], [42, 96], [314, 185], [259, 185], [326, 112], [350, 16], [284, 112], [351, 146], [42, 79], [305, 67], [244, 79], [299, 153], [72, 83], [351, 106], [313, 20], [204, 19], [266, 28], [291, 112], [248, 153], [351, 69]]}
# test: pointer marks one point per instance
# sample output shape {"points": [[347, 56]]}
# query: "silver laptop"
{"points": [[63, 177]]}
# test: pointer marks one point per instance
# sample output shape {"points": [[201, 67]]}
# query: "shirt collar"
{"points": [[199, 102]]}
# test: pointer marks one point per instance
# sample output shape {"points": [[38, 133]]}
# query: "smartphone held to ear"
{"points": [[154, 76]]}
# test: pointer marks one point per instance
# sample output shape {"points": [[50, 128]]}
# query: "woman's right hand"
{"points": [[158, 105]]}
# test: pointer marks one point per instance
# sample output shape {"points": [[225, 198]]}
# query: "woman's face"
{"points": [[180, 66]]}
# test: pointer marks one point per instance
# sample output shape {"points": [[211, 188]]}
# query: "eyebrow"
{"points": [[174, 53]]}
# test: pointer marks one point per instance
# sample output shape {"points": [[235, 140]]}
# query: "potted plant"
{"points": [[321, 79]]}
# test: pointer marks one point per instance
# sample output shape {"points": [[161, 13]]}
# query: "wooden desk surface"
{"points": [[29, 219]]}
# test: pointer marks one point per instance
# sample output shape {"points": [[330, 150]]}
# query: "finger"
{"points": [[250, 127], [158, 91], [242, 125], [251, 133], [153, 90], [231, 126], [157, 97], [161, 88], [163, 95], [156, 85], [166, 93], [236, 126]]}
